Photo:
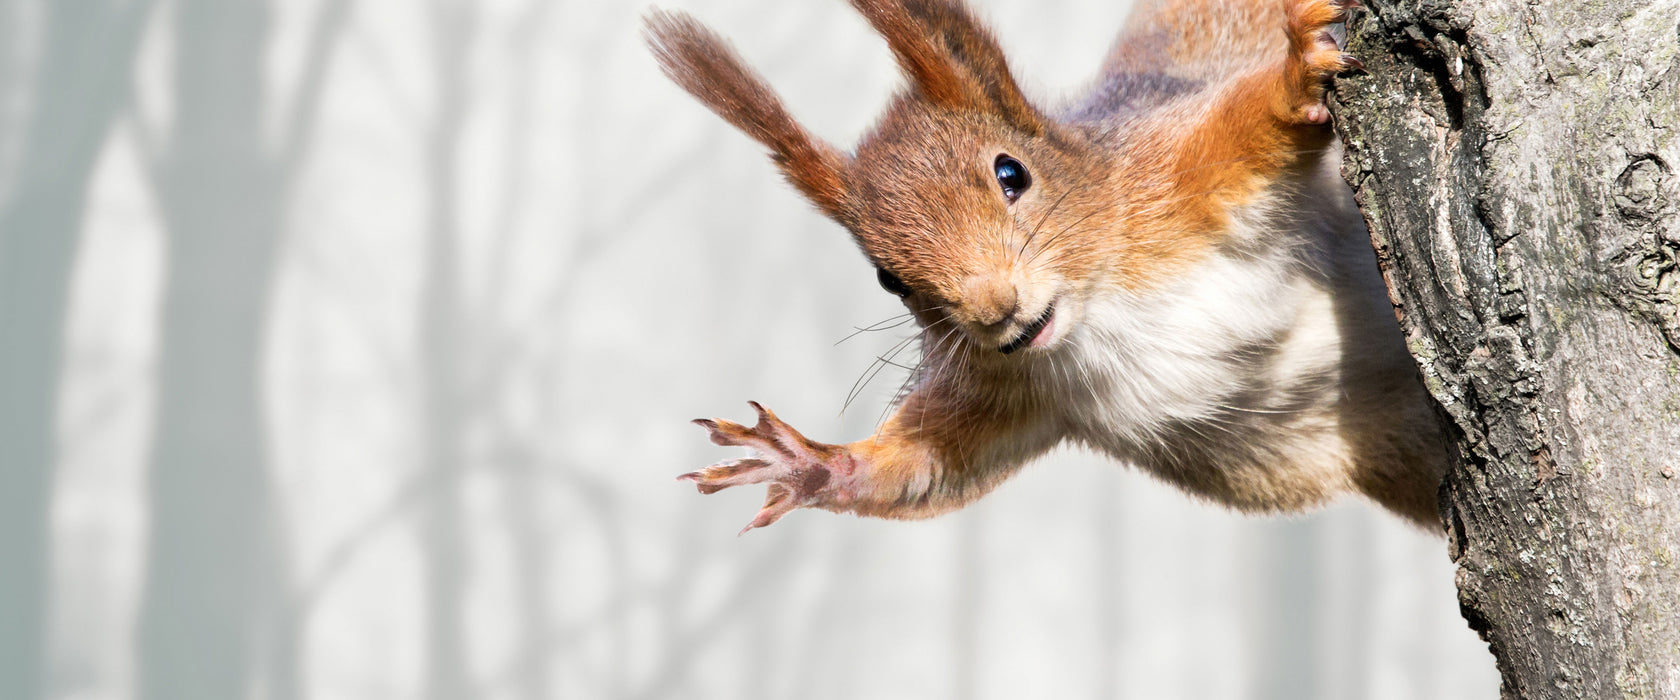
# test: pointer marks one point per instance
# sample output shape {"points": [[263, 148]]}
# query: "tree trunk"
{"points": [[1515, 160], [209, 556], [80, 83]]}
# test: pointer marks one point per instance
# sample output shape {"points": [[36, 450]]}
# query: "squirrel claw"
{"points": [[777, 503], [799, 471], [1314, 58], [723, 475]]}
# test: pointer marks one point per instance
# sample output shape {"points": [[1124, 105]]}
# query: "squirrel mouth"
{"points": [[1031, 334]]}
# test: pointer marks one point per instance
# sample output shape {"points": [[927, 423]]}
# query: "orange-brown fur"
{"points": [[1208, 118]]}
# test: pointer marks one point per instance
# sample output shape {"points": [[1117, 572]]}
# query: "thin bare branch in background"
{"points": [[681, 639], [297, 138], [286, 671], [524, 497], [596, 498], [527, 30], [441, 347], [831, 608], [521, 479]]}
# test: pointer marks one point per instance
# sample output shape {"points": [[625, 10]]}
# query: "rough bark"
{"points": [[1515, 160]]}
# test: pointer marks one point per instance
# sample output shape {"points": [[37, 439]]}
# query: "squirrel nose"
{"points": [[990, 299]]}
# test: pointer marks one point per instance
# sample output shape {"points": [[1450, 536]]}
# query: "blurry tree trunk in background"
{"points": [[1290, 602], [967, 602], [1110, 587], [440, 346], [523, 482], [531, 579], [80, 84], [14, 42], [215, 568], [209, 556], [1515, 159], [1355, 561]]}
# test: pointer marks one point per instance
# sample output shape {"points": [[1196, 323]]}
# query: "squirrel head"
{"points": [[969, 200]]}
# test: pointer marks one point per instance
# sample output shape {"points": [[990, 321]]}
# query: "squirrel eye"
{"points": [[891, 283], [1012, 177]]}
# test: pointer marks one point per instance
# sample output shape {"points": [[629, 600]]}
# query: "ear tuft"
{"points": [[703, 63], [921, 56], [950, 56]]}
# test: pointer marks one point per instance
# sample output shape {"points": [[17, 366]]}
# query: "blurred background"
{"points": [[347, 351]]}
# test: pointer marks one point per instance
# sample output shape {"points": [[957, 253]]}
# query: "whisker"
{"points": [[887, 324], [869, 373], [896, 351], [904, 386], [1064, 230], [1041, 221], [863, 382]]}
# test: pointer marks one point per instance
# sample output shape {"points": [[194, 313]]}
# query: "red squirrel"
{"points": [[1168, 269]]}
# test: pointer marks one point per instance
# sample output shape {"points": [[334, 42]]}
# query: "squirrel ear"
{"points": [[703, 64], [950, 56]]}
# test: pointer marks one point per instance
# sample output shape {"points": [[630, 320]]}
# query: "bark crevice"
{"points": [[1512, 158]]}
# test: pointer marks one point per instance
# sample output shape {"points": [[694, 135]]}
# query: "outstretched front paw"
{"points": [[800, 472], [1314, 57]]}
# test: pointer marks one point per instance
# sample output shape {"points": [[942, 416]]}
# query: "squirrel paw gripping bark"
{"points": [[800, 472], [1314, 58]]}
